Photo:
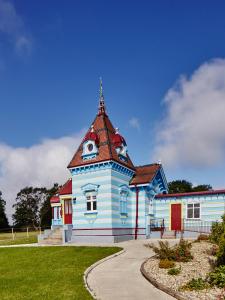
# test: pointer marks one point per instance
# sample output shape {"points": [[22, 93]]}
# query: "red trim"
{"points": [[106, 228], [55, 199], [213, 192], [136, 221], [108, 234]]}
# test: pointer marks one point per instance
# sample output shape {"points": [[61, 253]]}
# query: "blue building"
{"points": [[108, 199]]}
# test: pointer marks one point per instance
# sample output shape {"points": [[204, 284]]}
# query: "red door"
{"points": [[176, 217], [67, 211]]}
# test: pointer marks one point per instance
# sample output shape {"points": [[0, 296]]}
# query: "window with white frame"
{"points": [[123, 203], [193, 211], [123, 199], [91, 202]]}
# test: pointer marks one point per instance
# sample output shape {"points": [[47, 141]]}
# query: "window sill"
{"points": [[94, 212], [124, 214], [193, 219]]}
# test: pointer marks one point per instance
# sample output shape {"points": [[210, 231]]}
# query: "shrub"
{"points": [[213, 250], [203, 237], [166, 264], [195, 284], [221, 251], [182, 251], [217, 230], [217, 277], [164, 251], [174, 271]]}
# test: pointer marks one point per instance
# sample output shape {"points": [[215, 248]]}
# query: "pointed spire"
{"points": [[101, 107]]}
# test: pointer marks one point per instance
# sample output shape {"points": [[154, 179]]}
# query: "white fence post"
{"points": [[13, 236], [27, 232]]}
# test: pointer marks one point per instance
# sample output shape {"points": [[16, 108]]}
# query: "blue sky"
{"points": [[52, 54]]}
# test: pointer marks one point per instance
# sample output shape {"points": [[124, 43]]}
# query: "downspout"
{"points": [[136, 219]]}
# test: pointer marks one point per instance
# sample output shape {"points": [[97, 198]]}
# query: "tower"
{"points": [[101, 171]]}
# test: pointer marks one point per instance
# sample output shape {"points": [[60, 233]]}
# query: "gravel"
{"points": [[198, 267]]}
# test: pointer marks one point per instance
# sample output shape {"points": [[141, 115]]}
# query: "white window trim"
{"points": [[200, 211], [91, 200]]}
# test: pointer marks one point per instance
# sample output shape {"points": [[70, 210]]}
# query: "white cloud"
{"points": [[39, 165], [12, 25], [134, 123], [193, 130]]}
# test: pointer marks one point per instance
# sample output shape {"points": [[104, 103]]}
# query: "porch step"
{"points": [[169, 234], [51, 237]]}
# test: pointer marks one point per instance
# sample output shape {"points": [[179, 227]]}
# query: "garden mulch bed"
{"points": [[198, 267]]}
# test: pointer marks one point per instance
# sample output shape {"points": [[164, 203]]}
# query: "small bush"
{"points": [[217, 277], [221, 251], [164, 251], [182, 251], [166, 264], [203, 237], [195, 284], [174, 271], [213, 250], [218, 228]]}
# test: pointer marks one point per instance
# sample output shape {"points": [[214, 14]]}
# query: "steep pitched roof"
{"points": [[145, 174], [107, 150], [66, 189]]}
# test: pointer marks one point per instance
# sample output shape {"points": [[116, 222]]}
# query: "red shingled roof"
{"points": [[107, 149], [211, 192], [145, 174], [66, 189]]}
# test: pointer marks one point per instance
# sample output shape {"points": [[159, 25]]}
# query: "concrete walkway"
{"points": [[120, 278]]}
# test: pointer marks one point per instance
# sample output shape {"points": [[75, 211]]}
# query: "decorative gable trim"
{"points": [[89, 187], [124, 189], [102, 166]]}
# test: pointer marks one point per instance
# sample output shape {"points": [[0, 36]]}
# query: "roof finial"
{"points": [[101, 107]]}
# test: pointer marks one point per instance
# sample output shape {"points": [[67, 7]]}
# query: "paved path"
{"points": [[120, 278]]}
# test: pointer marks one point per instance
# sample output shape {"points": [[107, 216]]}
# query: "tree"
{"points": [[32, 207], [27, 207], [3, 219], [184, 186], [179, 186], [202, 187], [45, 211]]}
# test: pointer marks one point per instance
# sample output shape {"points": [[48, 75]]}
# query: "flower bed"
{"points": [[199, 267]]}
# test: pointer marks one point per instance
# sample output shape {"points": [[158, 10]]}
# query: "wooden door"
{"points": [[176, 217], [67, 211]]}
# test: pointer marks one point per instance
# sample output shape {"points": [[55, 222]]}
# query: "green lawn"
{"points": [[47, 272], [19, 238]]}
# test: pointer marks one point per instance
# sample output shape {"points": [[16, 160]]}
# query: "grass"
{"points": [[47, 272], [19, 238]]}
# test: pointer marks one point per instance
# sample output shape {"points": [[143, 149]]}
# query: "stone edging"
{"points": [[159, 285], [89, 269]]}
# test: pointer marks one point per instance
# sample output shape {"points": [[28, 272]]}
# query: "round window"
{"points": [[90, 147]]}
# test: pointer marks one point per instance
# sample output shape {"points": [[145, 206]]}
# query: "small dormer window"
{"points": [[90, 145], [120, 145]]}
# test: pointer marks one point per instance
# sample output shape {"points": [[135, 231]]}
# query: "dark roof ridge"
{"points": [[210, 192]]}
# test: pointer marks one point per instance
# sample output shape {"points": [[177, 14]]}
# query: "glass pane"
{"points": [[93, 197], [197, 213], [88, 205], [190, 205], [190, 213], [94, 205], [70, 206], [197, 205], [88, 197]]}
